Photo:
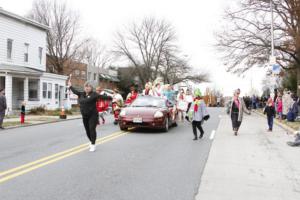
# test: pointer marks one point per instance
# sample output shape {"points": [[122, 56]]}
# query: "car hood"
{"points": [[141, 111]]}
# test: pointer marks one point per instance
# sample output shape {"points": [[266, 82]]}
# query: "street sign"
{"points": [[276, 69]]}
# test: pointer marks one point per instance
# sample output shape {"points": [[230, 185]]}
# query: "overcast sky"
{"points": [[195, 22]]}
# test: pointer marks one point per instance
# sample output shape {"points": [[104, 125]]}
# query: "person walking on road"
{"points": [[237, 109], [87, 101], [197, 114], [189, 99], [271, 113], [181, 105], [3, 107]]}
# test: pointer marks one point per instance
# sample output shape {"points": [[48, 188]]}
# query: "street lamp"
{"points": [[272, 26]]}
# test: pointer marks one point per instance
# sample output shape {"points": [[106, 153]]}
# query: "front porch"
{"points": [[35, 88]]}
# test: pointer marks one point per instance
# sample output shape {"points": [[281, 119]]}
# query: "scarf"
{"points": [[196, 104], [237, 103]]}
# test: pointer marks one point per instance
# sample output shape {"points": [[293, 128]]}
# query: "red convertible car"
{"points": [[148, 112]]}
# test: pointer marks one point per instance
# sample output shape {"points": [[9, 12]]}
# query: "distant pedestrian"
{"points": [[279, 107], [3, 107], [87, 101], [23, 112], [198, 114], [287, 103], [236, 111], [189, 99], [271, 113]]}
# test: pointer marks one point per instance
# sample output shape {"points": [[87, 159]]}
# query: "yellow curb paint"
{"points": [[57, 155], [6, 178]]}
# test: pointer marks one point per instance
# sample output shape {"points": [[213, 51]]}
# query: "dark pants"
{"points": [[90, 124], [270, 122], [235, 121], [188, 108], [2, 115], [197, 124]]}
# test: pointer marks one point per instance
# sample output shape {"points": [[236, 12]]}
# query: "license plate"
{"points": [[137, 120]]}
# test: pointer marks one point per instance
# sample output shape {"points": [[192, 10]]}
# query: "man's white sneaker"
{"points": [[92, 148]]}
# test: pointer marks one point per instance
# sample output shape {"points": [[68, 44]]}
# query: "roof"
{"points": [[23, 19], [109, 77], [20, 70]]}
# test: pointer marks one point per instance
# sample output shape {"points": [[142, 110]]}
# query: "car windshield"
{"points": [[143, 101]]}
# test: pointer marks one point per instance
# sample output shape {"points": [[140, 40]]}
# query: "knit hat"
{"points": [[197, 92]]}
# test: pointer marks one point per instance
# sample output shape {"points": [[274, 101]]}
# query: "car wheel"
{"points": [[123, 128], [175, 124], [166, 128]]}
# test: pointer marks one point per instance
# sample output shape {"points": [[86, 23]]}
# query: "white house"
{"points": [[23, 64]]}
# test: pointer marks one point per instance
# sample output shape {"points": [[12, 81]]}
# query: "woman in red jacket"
{"points": [[132, 95], [102, 105]]}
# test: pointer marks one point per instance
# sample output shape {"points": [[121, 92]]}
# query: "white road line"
{"points": [[212, 135]]}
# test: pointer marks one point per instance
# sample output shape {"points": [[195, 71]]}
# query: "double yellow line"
{"points": [[23, 169]]}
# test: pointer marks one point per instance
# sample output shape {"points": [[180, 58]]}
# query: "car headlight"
{"points": [[158, 114], [122, 113]]}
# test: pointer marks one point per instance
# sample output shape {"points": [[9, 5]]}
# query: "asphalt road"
{"points": [[138, 165]]}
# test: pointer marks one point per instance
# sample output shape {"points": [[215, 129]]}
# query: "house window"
{"points": [[49, 90], [40, 54], [83, 74], [77, 72], [26, 45], [33, 88], [44, 90], [9, 48], [56, 91]]}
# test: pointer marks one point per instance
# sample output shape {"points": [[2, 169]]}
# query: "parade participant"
{"points": [[198, 113], [148, 89], [237, 108], [117, 104], [169, 94], [157, 90], [87, 101], [189, 99], [3, 107], [271, 113], [132, 95], [181, 105], [101, 105]]}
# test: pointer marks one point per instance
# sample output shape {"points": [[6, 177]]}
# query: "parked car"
{"points": [[148, 112]]}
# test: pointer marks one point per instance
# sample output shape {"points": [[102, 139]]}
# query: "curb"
{"points": [[285, 127], [42, 123]]}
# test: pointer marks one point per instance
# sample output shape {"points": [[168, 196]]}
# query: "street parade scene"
{"points": [[149, 100]]}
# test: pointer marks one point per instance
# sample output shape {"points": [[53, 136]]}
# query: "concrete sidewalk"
{"points": [[254, 165], [35, 120]]}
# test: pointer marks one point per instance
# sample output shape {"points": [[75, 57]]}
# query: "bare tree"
{"points": [[63, 36], [95, 54], [175, 70], [143, 45], [151, 48], [246, 41]]}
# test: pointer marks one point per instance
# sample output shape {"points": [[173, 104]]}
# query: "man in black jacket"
{"points": [[87, 101], [3, 107]]}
